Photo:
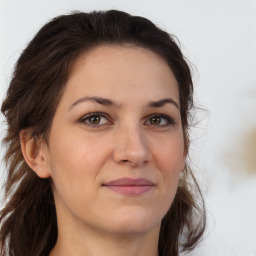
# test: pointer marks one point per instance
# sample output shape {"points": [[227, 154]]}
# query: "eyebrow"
{"points": [[99, 100], [161, 103], [111, 103]]}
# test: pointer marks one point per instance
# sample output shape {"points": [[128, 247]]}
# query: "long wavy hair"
{"points": [[28, 219]]}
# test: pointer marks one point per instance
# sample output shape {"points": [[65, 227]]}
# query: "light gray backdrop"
{"points": [[219, 38]]}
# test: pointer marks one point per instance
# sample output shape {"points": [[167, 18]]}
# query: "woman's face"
{"points": [[116, 146]]}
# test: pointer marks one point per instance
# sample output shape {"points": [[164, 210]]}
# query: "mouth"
{"points": [[128, 186]]}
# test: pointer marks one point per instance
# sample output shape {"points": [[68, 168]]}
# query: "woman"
{"points": [[97, 141]]}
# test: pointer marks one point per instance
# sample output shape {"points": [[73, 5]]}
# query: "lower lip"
{"points": [[131, 190]]}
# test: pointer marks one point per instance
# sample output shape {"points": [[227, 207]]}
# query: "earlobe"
{"points": [[35, 153]]}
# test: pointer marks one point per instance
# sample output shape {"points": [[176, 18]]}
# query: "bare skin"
{"points": [[118, 118]]}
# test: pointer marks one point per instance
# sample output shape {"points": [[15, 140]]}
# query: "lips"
{"points": [[130, 186]]}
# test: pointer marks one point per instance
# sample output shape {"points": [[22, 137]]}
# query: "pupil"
{"points": [[155, 120], [95, 120]]}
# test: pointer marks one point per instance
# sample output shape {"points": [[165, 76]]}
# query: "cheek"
{"points": [[75, 151], [170, 155], [169, 158], [74, 168], [76, 160]]}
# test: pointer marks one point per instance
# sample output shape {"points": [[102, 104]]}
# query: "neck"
{"points": [[77, 240], [92, 244]]}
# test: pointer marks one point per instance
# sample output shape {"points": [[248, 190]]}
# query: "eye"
{"points": [[94, 119], [159, 120]]}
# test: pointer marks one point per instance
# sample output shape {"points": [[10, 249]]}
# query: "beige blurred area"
{"points": [[241, 154], [242, 157]]}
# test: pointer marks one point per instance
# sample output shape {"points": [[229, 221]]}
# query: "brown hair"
{"points": [[28, 220]]}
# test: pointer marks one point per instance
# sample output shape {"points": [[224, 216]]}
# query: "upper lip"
{"points": [[130, 182]]}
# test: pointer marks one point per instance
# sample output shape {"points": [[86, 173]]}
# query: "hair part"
{"points": [[28, 220]]}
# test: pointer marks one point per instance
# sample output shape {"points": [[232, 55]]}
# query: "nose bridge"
{"points": [[135, 139], [131, 145]]}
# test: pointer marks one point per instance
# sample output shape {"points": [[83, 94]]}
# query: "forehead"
{"points": [[121, 72]]}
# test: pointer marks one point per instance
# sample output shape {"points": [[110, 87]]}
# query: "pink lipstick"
{"points": [[128, 186]]}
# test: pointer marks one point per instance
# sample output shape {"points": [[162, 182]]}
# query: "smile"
{"points": [[131, 187]]}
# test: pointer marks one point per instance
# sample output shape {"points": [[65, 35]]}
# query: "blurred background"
{"points": [[219, 39]]}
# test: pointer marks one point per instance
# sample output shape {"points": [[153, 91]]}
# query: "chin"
{"points": [[133, 223]]}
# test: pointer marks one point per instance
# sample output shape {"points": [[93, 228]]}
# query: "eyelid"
{"points": [[169, 119], [83, 119]]}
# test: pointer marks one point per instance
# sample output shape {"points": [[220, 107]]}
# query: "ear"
{"points": [[35, 152]]}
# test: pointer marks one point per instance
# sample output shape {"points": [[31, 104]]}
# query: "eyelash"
{"points": [[84, 119], [94, 114], [169, 120]]}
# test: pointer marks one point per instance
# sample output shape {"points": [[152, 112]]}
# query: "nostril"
{"points": [[134, 163], [130, 154]]}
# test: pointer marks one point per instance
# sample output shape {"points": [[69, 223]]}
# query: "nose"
{"points": [[131, 147]]}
